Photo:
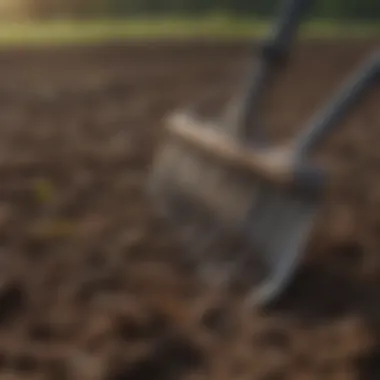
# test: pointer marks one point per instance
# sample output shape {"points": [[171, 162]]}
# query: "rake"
{"points": [[243, 208]]}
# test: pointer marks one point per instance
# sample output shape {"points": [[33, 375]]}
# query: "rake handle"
{"points": [[274, 165], [323, 122], [287, 25], [274, 53]]}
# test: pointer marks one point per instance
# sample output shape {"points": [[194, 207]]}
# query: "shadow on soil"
{"points": [[319, 294]]}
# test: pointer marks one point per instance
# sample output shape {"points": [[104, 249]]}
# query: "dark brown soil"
{"points": [[88, 284]]}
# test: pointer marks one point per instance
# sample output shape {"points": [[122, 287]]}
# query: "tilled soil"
{"points": [[89, 285]]}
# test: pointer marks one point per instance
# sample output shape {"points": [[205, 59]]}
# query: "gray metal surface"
{"points": [[263, 248], [328, 118], [278, 230]]}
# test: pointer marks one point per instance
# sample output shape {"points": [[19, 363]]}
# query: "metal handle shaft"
{"points": [[323, 122], [288, 23], [274, 53]]}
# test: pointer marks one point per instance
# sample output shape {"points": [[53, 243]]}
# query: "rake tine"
{"points": [[261, 294]]}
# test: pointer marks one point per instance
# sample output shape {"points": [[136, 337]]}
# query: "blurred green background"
{"points": [[28, 21]]}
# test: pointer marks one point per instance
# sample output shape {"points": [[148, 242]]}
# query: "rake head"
{"points": [[243, 215]]}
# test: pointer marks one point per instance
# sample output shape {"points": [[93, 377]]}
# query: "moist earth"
{"points": [[90, 286]]}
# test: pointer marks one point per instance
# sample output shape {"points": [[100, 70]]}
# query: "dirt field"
{"points": [[89, 286]]}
